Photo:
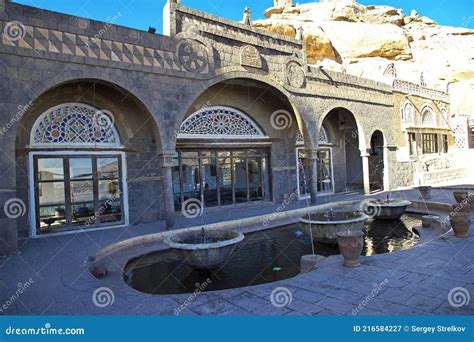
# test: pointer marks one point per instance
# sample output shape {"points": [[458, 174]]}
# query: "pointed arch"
{"points": [[407, 113], [428, 116]]}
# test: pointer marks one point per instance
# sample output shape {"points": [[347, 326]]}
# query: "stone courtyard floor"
{"points": [[417, 281]]}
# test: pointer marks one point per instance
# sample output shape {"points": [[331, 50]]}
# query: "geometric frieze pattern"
{"points": [[418, 90], [47, 40]]}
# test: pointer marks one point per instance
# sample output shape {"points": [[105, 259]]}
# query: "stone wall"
{"points": [[149, 82]]}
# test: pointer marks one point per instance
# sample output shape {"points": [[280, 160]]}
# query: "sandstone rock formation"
{"points": [[364, 40]]}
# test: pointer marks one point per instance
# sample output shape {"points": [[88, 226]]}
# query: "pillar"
{"points": [[386, 175], [312, 157], [2, 6], [365, 171], [166, 171]]}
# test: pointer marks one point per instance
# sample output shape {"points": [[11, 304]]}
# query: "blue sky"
{"points": [[141, 14]]}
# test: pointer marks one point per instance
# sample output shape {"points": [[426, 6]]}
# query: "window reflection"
{"points": [[78, 192], [221, 177]]}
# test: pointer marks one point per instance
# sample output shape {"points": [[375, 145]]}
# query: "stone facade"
{"points": [[152, 83]]}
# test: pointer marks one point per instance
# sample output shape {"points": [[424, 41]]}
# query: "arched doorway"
{"points": [[376, 161], [108, 136], [325, 170], [235, 145], [77, 173], [219, 161], [345, 150]]}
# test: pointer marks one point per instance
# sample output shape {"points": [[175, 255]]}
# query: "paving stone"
{"points": [[396, 295], [425, 303], [336, 305], [398, 309], [308, 296]]}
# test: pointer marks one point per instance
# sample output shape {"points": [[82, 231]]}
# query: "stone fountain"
{"points": [[389, 209], [323, 227], [204, 249]]}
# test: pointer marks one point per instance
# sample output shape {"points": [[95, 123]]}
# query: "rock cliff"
{"points": [[343, 35]]}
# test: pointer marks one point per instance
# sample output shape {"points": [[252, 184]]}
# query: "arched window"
{"points": [[74, 124], [428, 117], [408, 114], [219, 123], [77, 181], [323, 136]]}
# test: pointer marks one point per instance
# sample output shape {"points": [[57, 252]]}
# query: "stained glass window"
{"points": [[75, 124], [220, 122]]}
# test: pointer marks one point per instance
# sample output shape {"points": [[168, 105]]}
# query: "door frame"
{"points": [[32, 193]]}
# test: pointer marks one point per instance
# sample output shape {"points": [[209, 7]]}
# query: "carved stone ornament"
{"points": [[193, 56], [295, 75], [249, 56]]}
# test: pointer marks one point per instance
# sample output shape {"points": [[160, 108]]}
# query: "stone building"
{"points": [[105, 126]]}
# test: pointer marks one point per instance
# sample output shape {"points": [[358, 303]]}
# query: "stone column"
{"points": [[166, 170], [2, 6], [312, 157], [365, 171]]}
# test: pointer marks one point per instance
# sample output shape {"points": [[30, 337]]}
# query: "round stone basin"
{"points": [[325, 226], [386, 209], [204, 249]]}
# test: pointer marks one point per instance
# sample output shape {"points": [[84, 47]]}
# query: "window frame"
{"points": [[432, 142], [70, 228]]}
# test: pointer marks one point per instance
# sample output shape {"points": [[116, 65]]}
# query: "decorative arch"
{"points": [[407, 113], [323, 137], [428, 117], [74, 124], [219, 122]]}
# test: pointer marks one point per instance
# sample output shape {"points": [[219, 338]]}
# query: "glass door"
{"points": [[226, 190], [209, 178], [324, 170], [77, 191], [220, 178]]}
